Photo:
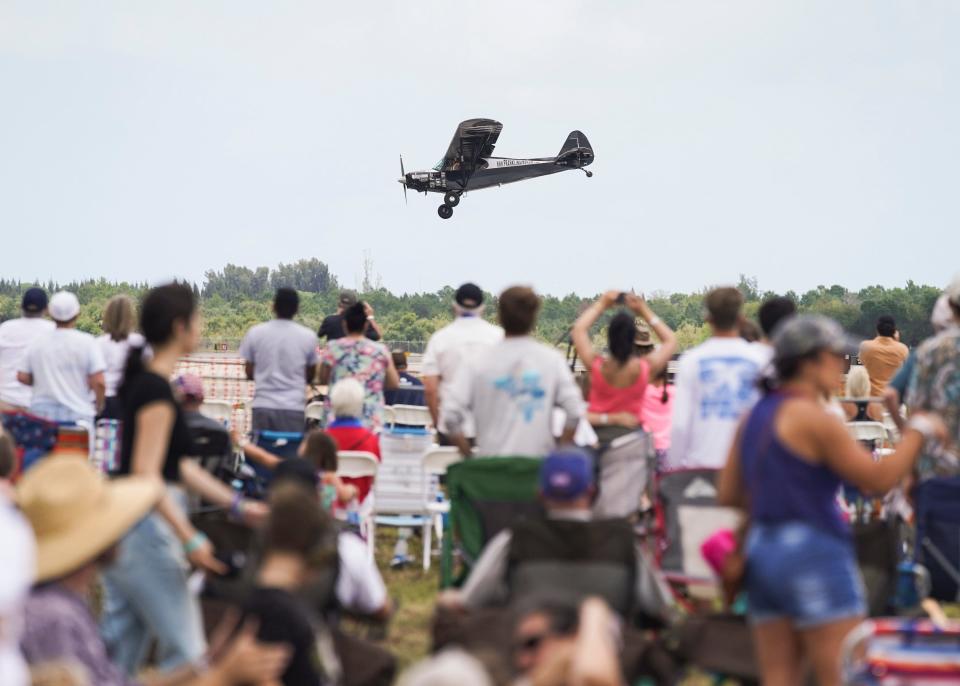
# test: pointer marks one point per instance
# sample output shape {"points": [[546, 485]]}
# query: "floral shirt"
{"points": [[365, 361], [935, 387]]}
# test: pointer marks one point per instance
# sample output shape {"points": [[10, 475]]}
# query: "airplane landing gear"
{"points": [[588, 173], [452, 199], [445, 211]]}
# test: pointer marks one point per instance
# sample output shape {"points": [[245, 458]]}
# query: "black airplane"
{"points": [[469, 165]]}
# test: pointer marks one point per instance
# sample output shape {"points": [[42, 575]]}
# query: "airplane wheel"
{"points": [[452, 199], [589, 174], [445, 211]]}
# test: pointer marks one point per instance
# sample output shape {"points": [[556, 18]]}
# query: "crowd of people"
{"points": [[762, 405]]}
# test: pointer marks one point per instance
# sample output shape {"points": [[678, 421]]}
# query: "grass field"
{"points": [[415, 592]]}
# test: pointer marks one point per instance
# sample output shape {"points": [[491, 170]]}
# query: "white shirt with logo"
{"points": [[16, 336], [716, 383]]}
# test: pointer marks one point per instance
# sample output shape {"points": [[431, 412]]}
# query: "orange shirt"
{"points": [[883, 357]]}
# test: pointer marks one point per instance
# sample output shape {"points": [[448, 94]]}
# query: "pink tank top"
{"points": [[608, 399]]}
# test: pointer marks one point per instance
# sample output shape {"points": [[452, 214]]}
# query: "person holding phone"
{"points": [[618, 380]]}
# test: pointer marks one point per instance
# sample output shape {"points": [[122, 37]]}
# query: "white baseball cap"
{"points": [[63, 306]]}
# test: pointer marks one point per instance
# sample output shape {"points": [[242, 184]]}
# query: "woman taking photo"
{"points": [[618, 382], [785, 467], [146, 592], [119, 322]]}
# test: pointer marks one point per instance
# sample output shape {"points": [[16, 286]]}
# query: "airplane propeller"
{"points": [[403, 181]]}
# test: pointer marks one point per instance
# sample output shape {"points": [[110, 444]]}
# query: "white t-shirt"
{"points": [[17, 566], [280, 350], [61, 363], [360, 587], [115, 356], [716, 383], [16, 335], [456, 343]]}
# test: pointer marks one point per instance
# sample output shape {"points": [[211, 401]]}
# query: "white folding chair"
{"points": [[220, 410], [868, 431], [354, 464], [408, 415], [315, 412], [435, 464]]}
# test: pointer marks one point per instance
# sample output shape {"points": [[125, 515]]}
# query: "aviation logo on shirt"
{"points": [[728, 386], [526, 391]]}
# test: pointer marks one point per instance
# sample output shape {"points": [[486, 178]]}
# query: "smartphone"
{"points": [[621, 299]]}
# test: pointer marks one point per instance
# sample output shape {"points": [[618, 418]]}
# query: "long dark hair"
{"points": [[621, 334], [162, 307]]}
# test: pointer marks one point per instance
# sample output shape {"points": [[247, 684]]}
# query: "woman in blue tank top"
{"points": [[785, 467]]}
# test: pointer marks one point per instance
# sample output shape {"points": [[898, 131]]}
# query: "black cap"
{"points": [[34, 300], [469, 296]]}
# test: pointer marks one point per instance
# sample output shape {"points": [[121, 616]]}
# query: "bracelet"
{"points": [[653, 322], [197, 540], [236, 508], [922, 425]]}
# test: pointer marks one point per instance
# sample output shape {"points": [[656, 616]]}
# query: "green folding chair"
{"points": [[486, 494]]}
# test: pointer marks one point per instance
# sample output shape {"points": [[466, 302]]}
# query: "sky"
{"points": [[802, 142]]}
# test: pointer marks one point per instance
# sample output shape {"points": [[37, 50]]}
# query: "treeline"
{"points": [[235, 298]]}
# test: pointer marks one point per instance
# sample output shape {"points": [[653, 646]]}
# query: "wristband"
{"points": [[922, 425], [370, 318], [197, 540], [605, 419], [654, 321], [236, 508]]}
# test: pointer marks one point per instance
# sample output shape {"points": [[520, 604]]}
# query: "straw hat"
{"points": [[76, 514]]}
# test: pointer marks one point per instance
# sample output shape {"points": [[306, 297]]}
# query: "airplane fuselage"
{"points": [[494, 171]]}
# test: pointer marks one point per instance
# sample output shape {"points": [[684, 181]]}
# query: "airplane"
{"points": [[469, 165]]}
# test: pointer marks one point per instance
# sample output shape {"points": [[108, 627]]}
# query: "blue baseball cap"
{"points": [[34, 300], [566, 474]]}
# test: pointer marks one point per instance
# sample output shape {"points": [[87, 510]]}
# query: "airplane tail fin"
{"points": [[576, 150]]}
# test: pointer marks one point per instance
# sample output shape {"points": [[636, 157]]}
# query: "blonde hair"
{"points": [[119, 317], [858, 382], [346, 398]]}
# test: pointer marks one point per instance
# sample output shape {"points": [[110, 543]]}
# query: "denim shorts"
{"points": [[798, 572]]}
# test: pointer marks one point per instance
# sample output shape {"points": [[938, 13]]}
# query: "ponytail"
{"points": [[621, 336], [134, 366], [162, 307]]}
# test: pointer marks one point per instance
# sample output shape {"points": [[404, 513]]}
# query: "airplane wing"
{"points": [[473, 140]]}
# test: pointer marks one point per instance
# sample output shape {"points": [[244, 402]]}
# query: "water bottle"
{"points": [[353, 513]]}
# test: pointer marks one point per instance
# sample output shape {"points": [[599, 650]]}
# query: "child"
{"points": [[320, 450]]}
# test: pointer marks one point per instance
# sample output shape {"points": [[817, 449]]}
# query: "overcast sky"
{"points": [[803, 142]]}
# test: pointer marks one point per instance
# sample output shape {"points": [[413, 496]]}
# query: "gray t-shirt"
{"points": [[511, 389], [280, 351]]}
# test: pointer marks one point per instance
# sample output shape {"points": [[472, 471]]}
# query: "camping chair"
{"points": [[33, 436], [435, 464], [220, 410], [282, 444], [937, 503], [355, 464], [486, 495], [688, 514], [623, 472], [902, 651]]}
